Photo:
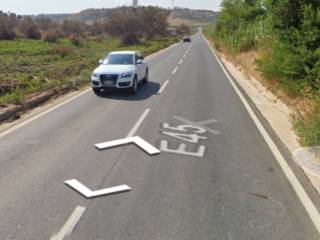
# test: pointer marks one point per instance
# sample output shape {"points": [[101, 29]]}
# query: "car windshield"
{"points": [[119, 59]]}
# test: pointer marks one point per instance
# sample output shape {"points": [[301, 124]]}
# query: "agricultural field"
{"points": [[34, 66]]}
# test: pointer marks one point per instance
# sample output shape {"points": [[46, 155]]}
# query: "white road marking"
{"points": [[145, 146], [181, 61], [175, 70], [198, 124], [138, 123], [295, 183], [163, 87], [6, 132], [184, 56], [83, 190], [192, 138], [182, 149], [68, 227], [184, 128], [207, 121]]}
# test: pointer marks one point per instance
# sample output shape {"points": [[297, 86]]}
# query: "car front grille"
{"points": [[109, 79]]}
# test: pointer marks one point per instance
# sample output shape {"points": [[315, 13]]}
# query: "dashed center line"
{"points": [[163, 87], [74, 218], [175, 70], [68, 227], [181, 61], [138, 123]]}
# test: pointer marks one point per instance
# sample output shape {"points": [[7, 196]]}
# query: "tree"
{"points": [[155, 21], [132, 24], [30, 29], [73, 29], [125, 24], [7, 24]]}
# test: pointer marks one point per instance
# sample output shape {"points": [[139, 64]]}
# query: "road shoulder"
{"points": [[277, 114]]}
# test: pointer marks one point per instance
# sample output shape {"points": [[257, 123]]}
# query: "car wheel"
{"points": [[134, 88], [96, 91], [146, 78]]}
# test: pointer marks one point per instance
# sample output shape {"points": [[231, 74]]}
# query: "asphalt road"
{"points": [[225, 184]]}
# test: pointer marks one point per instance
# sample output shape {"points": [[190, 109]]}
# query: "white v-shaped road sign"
{"points": [[145, 146], [79, 187]]}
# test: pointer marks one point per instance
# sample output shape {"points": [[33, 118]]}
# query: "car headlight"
{"points": [[126, 75], [95, 75]]}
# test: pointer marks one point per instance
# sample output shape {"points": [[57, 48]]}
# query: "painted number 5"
{"points": [[184, 128]]}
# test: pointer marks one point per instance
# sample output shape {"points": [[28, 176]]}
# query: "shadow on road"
{"points": [[145, 91]]}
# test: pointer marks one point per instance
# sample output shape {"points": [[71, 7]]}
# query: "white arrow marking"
{"points": [[79, 187], [145, 146]]}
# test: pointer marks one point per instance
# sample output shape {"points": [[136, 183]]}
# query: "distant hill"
{"points": [[200, 16], [178, 16]]}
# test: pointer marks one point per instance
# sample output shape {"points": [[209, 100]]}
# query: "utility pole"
{"points": [[172, 4], [135, 3]]}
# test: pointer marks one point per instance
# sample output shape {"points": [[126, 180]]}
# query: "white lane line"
{"points": [[138, 123], [181, 61], [295, 183], [184, 56], [175, 70], [6, 132], [163, 87], [68, 227]]}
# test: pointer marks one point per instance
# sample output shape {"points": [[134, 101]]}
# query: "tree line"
{"points": [[129, 24], [286, 34], [288, 29]]}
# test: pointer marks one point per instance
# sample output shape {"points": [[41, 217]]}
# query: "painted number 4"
{"points": [[186, 136]]}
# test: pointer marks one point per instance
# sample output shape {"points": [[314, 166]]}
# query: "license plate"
{"points": [[108, 82]]}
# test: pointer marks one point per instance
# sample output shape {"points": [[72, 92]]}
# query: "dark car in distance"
{"points": [[186, 39]]}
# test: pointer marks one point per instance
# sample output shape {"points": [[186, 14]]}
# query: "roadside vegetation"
{"points": [[37, 55], [286, 36]]}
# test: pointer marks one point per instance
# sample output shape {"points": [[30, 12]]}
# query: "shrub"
{"points": [[184, 29], [7, 34], [15, 97], [63, 51], [7, 23], [308, 129], [32, 32], [51, 36], [83, 78]]}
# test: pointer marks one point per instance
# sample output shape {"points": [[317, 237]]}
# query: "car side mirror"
{"points": [[100, 61], [139, 61]]}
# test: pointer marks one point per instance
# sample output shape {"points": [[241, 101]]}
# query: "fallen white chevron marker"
{"points": [[79, 187], [145, 146]]}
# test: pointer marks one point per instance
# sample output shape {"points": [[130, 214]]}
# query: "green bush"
{"points": [[287, 34], [308, 128]]}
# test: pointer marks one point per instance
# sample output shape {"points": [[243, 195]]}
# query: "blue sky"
{"points": [[72, 6]]}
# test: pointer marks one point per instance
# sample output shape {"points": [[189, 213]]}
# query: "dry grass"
{"points": [[174, 22], [246, 62]]}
